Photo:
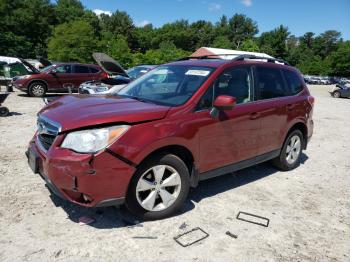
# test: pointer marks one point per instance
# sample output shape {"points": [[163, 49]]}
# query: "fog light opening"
{"points": [[87, 198]]}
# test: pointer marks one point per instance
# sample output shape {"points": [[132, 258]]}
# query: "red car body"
{"points": [[215, 145], [56, 81]]}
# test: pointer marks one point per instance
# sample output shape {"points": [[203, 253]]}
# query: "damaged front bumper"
{"points": [[88, 180]]}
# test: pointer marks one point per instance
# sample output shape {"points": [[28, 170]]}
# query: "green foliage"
{"points": [[67, 31], [340, 60], [250, 45], [117, 48], [68, 10], [74, 41], [275, 42], [241, 28]]}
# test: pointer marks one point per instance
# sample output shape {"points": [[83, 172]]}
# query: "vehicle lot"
{"points": [[308, 208]]}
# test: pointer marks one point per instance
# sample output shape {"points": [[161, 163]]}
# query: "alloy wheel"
{"points": [[293, 149], [158, 188], [38, 90]]}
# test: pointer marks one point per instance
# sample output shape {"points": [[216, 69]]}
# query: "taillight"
{"points": [[311, 100], [105, 75]]}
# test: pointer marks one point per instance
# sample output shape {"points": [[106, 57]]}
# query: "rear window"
{"points": [[294, 83], [81, 69], [270, 83]]}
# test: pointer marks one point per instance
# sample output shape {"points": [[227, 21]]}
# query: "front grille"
{"points": [[47, 132], [46, 140]]}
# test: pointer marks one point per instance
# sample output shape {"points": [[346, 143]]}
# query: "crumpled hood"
{"points": [[78, 111]]}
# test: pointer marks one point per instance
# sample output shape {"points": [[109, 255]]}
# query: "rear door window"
{"points": [[81, 69], [269, 83], [294, 83], [94, 70]]}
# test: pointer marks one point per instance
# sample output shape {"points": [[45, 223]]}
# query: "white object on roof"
{"points": [[9, 60], [225, 53]]}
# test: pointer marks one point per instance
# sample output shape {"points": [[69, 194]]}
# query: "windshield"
{"points": [[170, 85], [46, 69]]}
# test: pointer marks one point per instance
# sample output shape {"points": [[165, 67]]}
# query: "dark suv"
{"points": [[178, 124], [58, 78]]}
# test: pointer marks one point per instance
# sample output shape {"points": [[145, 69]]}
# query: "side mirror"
{"points": [[225, 102], [222, 103]]}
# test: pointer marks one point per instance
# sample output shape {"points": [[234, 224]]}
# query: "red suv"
{"points": [[178, 124], [58, 78]]}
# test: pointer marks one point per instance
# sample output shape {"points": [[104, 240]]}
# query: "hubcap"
{"points": [[158, 188], [293, 149], [336, 95], [38, 90]]}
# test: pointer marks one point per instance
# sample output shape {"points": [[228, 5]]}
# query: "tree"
{"points": [[120, 24], [68, 11], [274, 42], [222, 42], [250, 45], [25, 27], [167, 52], [340, 60], [74, 41], [241, 29], [203, 33], [179, 33], [117, 48], [326, 42]]}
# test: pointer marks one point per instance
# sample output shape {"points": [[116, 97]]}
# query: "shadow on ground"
{"points": [[111, 217]]}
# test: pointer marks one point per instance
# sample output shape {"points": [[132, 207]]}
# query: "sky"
{"points": [[299, 16]]}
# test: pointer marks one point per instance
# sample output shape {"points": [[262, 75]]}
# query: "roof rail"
{"points": [[213, 56], [237, 58], [269, 59]]}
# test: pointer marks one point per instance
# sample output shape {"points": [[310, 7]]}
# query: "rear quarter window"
{"points": [[294, 83]]}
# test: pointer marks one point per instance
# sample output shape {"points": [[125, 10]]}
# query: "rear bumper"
{"points": [[92, 181]]}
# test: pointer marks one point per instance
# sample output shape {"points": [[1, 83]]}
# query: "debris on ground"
{"points": [[254, 219], [190, 237]]}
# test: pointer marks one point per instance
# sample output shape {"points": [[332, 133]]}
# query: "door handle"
{"points": [[254, 115]]}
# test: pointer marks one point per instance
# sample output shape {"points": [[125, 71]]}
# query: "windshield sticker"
{"points": [[197, 73]]}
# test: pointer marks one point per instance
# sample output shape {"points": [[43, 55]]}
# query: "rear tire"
{"points": [[289, 157], [4, 111], [148, 196], [37, 89]]}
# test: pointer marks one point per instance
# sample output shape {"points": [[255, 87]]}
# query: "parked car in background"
{"points": [[137, 71], [340, 90], [117, 75], [58, 78], [178, 124]]}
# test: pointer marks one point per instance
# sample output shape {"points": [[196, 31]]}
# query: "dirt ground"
{"points": [[308, 208]]}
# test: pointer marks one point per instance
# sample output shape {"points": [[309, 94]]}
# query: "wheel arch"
{"points": [[303, 128], [181, 152], [37, 81]]}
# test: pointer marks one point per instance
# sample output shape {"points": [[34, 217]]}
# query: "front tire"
{"points": [[289, 157], [159, 187], [37, 89], [336, 94]]}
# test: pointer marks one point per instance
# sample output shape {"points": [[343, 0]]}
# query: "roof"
{"points": [[225, 53]]}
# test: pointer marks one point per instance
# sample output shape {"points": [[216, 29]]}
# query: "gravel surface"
{"points": [[308, 208]]}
